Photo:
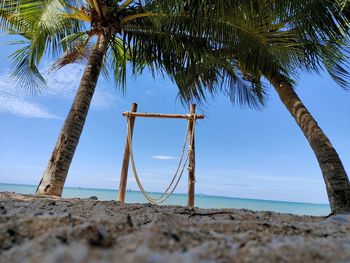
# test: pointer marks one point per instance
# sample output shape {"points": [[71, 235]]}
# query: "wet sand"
{"points": [[46, 229]]}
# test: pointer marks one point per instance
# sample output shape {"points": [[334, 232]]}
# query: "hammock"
{"points": [[180, 168]]}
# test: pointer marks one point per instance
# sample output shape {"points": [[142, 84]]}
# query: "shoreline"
{"points": [[197, 194], [202, 201], [47, 229]]}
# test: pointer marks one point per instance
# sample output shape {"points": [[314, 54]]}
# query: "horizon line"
{"points": [[198, 194]]}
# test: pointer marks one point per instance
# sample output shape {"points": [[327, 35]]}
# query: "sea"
{"points": [[201, 201]]}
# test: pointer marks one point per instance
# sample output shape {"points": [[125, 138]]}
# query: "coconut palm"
{"points": [[320, 40], [316, 37], [324, 38], [107, 34], [61, 26]]}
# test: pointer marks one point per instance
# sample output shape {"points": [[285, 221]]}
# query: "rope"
{"points": [[148, 197], [160, 199], [178, 167], [165, 195]]}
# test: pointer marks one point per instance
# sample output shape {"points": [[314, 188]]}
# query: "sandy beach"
{"points": [[46, 229]]}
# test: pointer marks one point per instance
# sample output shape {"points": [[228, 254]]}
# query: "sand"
{"points": [[44, 229]]}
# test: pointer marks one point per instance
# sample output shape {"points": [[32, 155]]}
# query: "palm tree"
{"points": [[320, 41], [61, 25], [323, 49], [108, 34], [316, 34]]}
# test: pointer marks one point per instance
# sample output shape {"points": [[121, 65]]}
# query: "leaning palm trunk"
{"points": [[334, 174], [56, 172]]}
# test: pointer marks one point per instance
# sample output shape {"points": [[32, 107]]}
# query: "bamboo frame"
{"points": [[160, 115], [191, 163], [125, 166], [191, 117]]}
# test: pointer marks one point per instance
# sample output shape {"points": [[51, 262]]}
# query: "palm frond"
{"points": [[119, 57], [76, 52], [26, 72], [42, 24]]}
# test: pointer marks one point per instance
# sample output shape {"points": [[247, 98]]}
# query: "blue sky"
{"points": [[240, 152]]}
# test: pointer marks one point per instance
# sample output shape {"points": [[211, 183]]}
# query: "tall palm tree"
{"points": [[63, 26], [320, 40], [108, 34], [316, 36], [324, 46]]}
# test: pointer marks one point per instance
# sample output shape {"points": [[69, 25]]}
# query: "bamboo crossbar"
{"points": [[160, 115]]}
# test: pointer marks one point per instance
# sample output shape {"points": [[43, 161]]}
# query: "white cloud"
{"points": [[163, 157], [103, 100], [23, 108], [14, 101], [62, 84]]}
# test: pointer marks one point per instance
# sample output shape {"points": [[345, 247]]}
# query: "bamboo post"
{"points": [[125, 166], [191, 164]]}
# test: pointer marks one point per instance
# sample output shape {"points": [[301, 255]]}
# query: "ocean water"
{"points": [[202, 201]]}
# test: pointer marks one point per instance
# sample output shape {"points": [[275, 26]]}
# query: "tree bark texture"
{"points": [[56, 171], [334, 174]]}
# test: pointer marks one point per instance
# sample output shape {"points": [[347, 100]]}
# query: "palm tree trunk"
{"points": [[334, 174], [56, 171]]}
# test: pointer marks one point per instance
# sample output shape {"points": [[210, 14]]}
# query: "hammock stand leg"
{"points": [[191, 164], [125, 166]]}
